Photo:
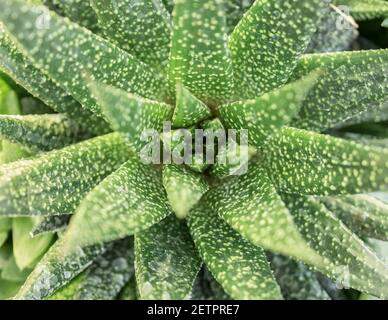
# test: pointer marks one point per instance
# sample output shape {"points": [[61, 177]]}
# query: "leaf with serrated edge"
{"points": [[166, 261]]}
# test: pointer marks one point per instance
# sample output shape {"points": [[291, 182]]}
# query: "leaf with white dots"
{"points": [[354, 264], [264, 116], [199, 56], [188, 110], [184, 188], [128, 201], [167, 262], [71, 55], [268, 41], [366, 9], [141, 27], [304, 162], [363, 214], [55, 182], [353, 83], [50, 224], [240, 267]]}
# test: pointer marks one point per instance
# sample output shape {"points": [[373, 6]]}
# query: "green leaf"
{"points": [[354, 264], [269, 40], [296, 281], [128, 201], [251, 206], [19, 67], [9, 102], [304, 162], [40, 132], [27, 250], [74, 54], [130, 113], [206, 68], [55, 182], [5, 224], [3, 237], [353, 83], [363, 214], [166, 262], [241, 268], [366, 9], [69, 291], [264, 116], [50, 224], [129, 291], [184, 188], [11, 271], [55, 270], [188, 110], [141, 27], [8, 289]]}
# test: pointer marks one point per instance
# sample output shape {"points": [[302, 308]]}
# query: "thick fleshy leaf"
{"points": [[141, 27], [3, 237], [12, 272], [304, 162], [240, 267], [188, 110], [40, 132], [353, 83], [9, 101], [27, 250], [21, 70], [354, 264], [206, 68], [296, 281], [366, 9], [363, 214], [269, 40], [130, 200], [378, 113], [55, 270], [5, 224], [72, 54], [8, 289], [50, 224], [55, 182], [130, 113], [69, 291], [166, 261], [264, 116], [251, 206], [184, 188]]}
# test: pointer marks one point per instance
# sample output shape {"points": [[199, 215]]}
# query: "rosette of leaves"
{"points": [[294, 223]]}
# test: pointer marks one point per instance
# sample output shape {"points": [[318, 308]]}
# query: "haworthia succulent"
{"points": [[141, 27], [304, 162], [69, 291], [268, 41], [55, 270], [50, 224], [18, 66], [251, 205], [264, 116], [188, 110], [296, 281], [241, 268], [27, 250], [205, 69], [184, 188], [166, 261], [54, 183], [72, 54], [8, 289], [366, 9], [131, 114], [126, 202], [363, 214], [5, 224], [355, 264], [353, 83], [12, 272], [9, 102], [40, 132]]}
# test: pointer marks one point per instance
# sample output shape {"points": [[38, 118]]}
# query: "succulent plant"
{"points": [[80, 83]]}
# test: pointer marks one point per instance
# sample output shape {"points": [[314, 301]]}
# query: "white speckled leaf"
{"points": [[268, 41], [264, 116], [206, 68], [55, 182], [166, 261], [128, 201], [141, 27], [50, 224], [366, 9], [240, 267], [354, 263], [363, 214], [184, 188], [70, 54], [304, 162]]}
